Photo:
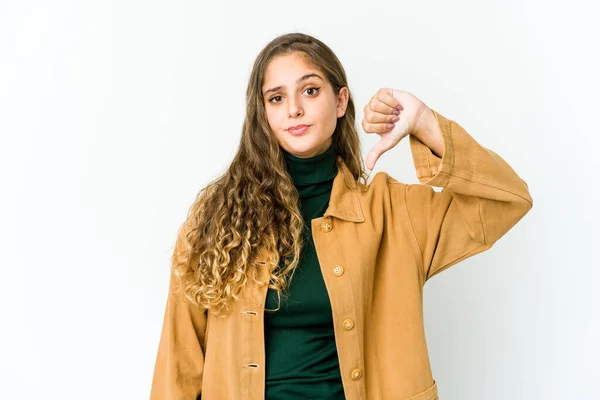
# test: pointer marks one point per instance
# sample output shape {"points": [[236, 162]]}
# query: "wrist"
{"points": [[425, 124], [428, 131]]}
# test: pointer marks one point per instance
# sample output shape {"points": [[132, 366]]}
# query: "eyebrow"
{"points": [[303, 78]]}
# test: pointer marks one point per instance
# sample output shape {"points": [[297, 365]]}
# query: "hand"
{"points": [[401, 110]]}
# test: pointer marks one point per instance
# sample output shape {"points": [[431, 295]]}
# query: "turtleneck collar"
{"points": [[313, 173]]}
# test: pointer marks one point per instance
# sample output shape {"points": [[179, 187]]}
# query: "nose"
{"points": [[294, 107]]}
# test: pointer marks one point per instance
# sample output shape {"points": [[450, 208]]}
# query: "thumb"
{"points": [[381, 147]]}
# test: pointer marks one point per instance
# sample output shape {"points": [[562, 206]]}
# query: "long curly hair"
{"points": [[254, 205]]}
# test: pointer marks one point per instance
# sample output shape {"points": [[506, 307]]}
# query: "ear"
{"points": [[342, 102]]}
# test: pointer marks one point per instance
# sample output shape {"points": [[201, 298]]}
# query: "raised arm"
{"points": [[482, 198]]}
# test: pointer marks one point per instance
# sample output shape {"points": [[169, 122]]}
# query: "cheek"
{"points": [[328, 117], [274, 120], [275, 123]]}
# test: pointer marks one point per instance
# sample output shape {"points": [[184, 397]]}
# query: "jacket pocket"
{"points": [[429, 394]]}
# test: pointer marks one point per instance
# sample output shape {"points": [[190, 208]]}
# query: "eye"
{"points": [[316, 89], [313, 88]]}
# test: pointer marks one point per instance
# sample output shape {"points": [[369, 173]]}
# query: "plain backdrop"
{"points": [[113, 115]]}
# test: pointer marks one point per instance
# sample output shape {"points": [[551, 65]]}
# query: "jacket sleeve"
{"points": [[179, 363], [482, 197]]}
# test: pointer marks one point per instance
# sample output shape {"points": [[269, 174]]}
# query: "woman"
{"points": [[295, 203]]}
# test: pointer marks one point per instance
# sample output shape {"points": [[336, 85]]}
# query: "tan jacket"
{"points": [[377, 246]]}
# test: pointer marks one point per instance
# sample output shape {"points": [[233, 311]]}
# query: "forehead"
{"points": [[286, 69]]}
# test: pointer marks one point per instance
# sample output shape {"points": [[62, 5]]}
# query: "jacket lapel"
{"points": [[344, 203]]}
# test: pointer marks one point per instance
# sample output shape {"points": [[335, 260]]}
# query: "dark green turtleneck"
{"points": [[301, 355]]}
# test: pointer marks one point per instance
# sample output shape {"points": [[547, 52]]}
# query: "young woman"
{"points": [[295, 203]]}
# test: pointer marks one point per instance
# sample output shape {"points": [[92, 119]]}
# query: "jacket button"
{"points": [[326, 225], [356, 374], [338, 270], [348, 324]]}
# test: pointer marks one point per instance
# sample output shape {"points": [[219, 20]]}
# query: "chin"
{"points": [[301, 151], [309, 150]]}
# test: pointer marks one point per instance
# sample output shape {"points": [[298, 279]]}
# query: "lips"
{"points": [[298, 129]]}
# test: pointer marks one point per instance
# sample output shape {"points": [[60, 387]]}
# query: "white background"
{"points": [[113, 114]]}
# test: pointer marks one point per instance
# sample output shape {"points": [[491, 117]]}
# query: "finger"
{"points": [[380, 118], [386, 96], [380, 147], [376, 128], [383, 102], [375, 104]]}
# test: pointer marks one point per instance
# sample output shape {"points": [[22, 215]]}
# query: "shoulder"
{"points": [[382, 188], [383, 181], [384, 184]]}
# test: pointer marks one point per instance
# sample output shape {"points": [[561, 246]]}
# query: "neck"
{"points": [[309, 174]]}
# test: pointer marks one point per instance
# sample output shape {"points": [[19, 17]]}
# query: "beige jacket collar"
{"points": [[344, 203]]}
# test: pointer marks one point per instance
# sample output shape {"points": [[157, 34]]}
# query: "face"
{"points": [[296, 93]]}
